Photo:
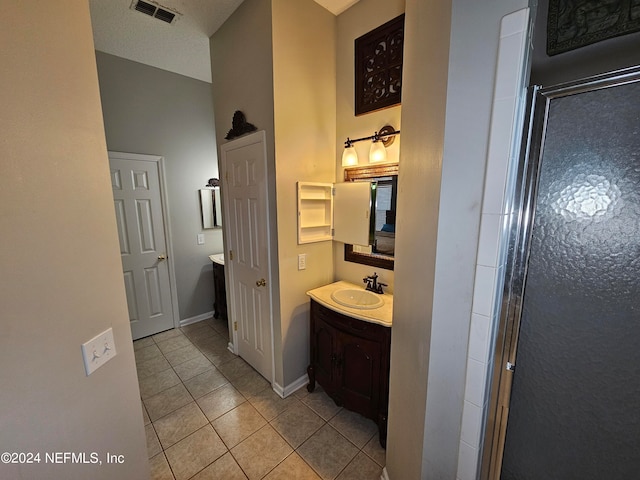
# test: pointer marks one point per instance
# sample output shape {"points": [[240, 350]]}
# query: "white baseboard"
{"points": [[196, 319], [292, 387], [385, 474]]}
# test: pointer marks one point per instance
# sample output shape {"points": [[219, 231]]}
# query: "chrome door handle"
{"points": [[162, 257], [261, 283]]}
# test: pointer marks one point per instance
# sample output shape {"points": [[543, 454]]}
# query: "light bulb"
{"points": [[349, 156], [377, 153]]}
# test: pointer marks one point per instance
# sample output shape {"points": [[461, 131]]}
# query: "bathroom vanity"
{"points": [[219, 287], [350, 349]]}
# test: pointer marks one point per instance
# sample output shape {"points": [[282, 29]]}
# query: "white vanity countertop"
{"points": [[217, 258], [382, 315]]}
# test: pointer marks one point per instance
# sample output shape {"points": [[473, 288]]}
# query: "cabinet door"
{"points": [[324, 354], [358, 370]]}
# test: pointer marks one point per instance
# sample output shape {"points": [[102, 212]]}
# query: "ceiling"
{"points": [[181, 47]]}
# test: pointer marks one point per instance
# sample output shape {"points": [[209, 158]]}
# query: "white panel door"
{"points": [[136, 195], [246, 224]]}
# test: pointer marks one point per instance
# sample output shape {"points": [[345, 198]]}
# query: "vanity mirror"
{"points": [[382, 250], [211, 207]]}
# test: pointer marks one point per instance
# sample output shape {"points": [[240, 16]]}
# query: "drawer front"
{"points": [[360, 328]]}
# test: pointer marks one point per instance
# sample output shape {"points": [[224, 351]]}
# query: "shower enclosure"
{"points": [[566, 393]]}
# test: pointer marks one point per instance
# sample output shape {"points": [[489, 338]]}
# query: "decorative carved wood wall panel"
{"points": [[378, 67], [572, 25]]}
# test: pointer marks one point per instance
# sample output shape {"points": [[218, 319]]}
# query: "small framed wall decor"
{"points": [[378, 67]]}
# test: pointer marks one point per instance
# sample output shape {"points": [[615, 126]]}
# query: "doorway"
{"points": [[569, 392], [245, 199], [143, 234]]}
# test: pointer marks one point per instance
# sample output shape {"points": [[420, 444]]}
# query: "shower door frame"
{"points": [[521, 218]]}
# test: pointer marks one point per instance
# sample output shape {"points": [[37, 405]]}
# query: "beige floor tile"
{"points": [[193, 367], [270, 404], [297, 424], [235, 369], [205, 383], [194, 453], [167, 401], [153, 444], [220, 401], [147, 353], [238, 424], [152, 366], [173, 343], [327, 452], [361, 468], [167, 334], [292, 468], [356, 428], [261, 452], [177, 425], [375, 451], [225, 468], [302, 392], [142, 343], [220, 357], [205, 332], [182, 354], [160, 468], [321, 403], [251, 383], [156, 383], [145, 415], [194, 327]]}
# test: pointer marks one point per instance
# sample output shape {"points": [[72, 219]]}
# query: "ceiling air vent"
{"points": [[155, 10]]}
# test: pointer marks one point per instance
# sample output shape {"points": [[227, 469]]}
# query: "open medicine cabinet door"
{"points": [[340, 212]]}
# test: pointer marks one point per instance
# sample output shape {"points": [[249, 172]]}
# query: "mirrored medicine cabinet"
{"points": [[380, 252], [359, 212]]}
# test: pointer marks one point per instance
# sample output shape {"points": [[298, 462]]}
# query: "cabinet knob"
{"points": [[261, 283]]}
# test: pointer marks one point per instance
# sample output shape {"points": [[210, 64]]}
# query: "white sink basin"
{"points": [[218, 258], [357, 298]]}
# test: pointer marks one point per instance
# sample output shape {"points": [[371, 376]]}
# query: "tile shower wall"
{"points": [[506, 124]]}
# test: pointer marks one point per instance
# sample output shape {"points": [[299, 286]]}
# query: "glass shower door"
{"points": [[575, 400]]}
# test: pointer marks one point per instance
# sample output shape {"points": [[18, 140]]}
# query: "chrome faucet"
{"points": [[372, 283]]}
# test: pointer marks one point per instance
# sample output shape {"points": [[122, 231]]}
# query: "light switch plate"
{"points": [[302, 261], [98, 351], [200, 239]]}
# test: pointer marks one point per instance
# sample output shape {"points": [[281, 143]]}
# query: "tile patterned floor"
{"points": [[209, 415]]}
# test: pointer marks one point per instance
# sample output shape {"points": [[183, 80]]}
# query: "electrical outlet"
{"points": [[200, 239], [98, 351], [302, 261]]}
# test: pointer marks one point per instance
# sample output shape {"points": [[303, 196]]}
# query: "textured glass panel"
{"points": [[575, 405]]}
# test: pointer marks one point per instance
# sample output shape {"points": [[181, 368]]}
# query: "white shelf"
{"points": [[315, 207]]}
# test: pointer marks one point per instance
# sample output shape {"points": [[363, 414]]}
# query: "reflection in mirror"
{"points": [[211, 207], [382, 249]]}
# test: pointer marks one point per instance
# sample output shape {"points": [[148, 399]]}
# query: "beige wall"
{"points": [[361, 18], [62, 279], [305, 125], [279, 60], [242, 79]]}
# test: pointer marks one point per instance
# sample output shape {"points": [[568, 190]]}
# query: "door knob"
{"points": [[162, 257], [261, 283]]}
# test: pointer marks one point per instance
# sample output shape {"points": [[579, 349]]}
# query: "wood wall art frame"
{"points": [[378, 67], [572, 25]]}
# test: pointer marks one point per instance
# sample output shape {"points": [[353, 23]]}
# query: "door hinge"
{"points": [[511, 367], [333, 191], [226, 176], [230, 254], [235, 326]]}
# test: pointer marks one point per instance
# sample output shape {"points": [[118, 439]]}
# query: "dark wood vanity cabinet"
{"points": [[219, 292], [350, 360]]}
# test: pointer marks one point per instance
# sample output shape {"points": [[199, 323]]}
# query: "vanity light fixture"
{"points": [[379, 141]]}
